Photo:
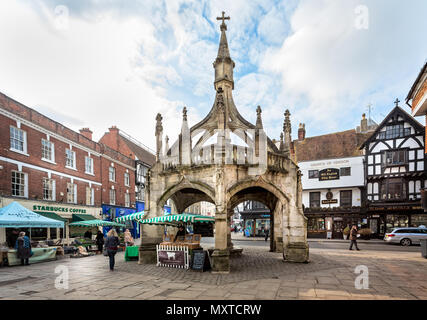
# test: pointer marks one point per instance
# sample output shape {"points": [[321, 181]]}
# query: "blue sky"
{"points": [[98, 63]]}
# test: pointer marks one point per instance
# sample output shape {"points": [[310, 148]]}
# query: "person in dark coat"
{"points": [[353, 238], [88, 234], [181, 232], [266, 233], [112, 245], [100, 240], [23, 247]]}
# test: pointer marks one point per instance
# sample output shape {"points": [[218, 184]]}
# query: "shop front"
{"points": [[386, 217], [331, 225], [255, 224], [53, 210]]}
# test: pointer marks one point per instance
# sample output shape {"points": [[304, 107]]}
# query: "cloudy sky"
{"points": [[98, 63]]}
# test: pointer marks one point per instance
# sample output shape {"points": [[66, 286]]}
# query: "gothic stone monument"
{"points": [[226, 160]]}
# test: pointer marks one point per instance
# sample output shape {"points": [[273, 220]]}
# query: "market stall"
{"points": [[179, 252], [16, 216]]}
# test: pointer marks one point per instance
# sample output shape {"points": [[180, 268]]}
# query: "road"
{"points": [[319, 244]]}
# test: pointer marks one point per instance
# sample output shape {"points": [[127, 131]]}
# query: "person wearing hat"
{"points": [[181, 232]]}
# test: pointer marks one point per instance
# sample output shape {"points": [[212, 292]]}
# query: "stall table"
{"points": [[131, 252], [40, 255]]}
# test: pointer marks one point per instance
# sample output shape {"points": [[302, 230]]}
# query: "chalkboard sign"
{"points": [[200, 261]]}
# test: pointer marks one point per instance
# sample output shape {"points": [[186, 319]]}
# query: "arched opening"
{"points": [[257, 208]]}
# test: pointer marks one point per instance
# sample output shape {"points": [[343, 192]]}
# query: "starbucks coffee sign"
{"points": [[329, 174], [57, 209]]}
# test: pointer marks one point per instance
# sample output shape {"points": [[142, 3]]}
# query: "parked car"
{"points": [[406, 236]]}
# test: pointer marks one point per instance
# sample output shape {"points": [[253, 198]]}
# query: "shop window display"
{"points": [[396, 221], [316, 224]]}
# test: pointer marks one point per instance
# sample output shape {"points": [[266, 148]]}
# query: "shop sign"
{"points": [[395, 208], [57, 209], [329, 174], [332, 201]]}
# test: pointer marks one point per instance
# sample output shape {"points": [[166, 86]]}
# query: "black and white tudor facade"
{"points": [[395, 172]]}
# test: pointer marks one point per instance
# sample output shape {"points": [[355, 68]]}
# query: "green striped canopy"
{"points": [[96, 223], [176, 218], [131, 217]]}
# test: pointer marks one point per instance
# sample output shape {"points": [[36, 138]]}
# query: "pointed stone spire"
{"points": [[259, 118], [166, 146], [287, 129], [185, 140], [223, 64], [159, 136]]}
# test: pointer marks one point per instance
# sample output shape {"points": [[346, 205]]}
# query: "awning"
{"points": [[131, 217], [96, 223], [176, 218], [16, 216], [82, 217], [52, 215]]}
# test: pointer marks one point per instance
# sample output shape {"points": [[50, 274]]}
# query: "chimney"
{"points": [[86, 132], [301, 132], [364, 124]]}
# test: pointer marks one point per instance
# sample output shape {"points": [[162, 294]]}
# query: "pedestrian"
{"points": [[128, 238], [353, 238], [266, 233], [111, 244], [100, 240], [23, 247], [11, 239]]}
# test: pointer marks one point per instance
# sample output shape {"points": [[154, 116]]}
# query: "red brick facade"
{"points": [[38, 127]]}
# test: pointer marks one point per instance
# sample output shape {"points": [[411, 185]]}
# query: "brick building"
{"points": [[56, 171]]}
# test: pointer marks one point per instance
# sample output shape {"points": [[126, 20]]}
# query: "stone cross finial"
{"points": [[397, 102], [184, 113], [223, 18]]}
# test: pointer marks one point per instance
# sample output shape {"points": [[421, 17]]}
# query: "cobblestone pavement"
{"points": [[257, 274]]}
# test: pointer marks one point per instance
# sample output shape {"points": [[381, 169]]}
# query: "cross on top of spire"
{"points": [[397, 102], [223, 18]]}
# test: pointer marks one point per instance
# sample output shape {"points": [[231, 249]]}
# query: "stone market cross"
{"points": [[225, 160]]}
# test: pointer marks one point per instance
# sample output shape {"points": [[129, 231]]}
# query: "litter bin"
{"points": [[424, 248]]}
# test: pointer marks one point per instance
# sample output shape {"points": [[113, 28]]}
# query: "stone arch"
{"points": [[185, 184], [261, 183]]}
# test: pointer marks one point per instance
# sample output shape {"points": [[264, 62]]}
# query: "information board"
{"points": [[200, 261]]}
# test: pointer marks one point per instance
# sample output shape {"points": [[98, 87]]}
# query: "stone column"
{"points": [[2, 235], [150, 237], [58, 233], [48, 233], [295, 235], [221, 255]]}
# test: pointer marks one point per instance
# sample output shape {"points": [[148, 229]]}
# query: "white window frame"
{"points": [[127, 199], [25, 184], [24, 142], [91, 165], [127, 179], [52, 151], [74, 159], [112, 197], [74, 186], [91, 196], [112, 170], [53, 189]]}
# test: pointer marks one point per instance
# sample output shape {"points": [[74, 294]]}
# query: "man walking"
{"points": [[353, 238], [266, 233]]}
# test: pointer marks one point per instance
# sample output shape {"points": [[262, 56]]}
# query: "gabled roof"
{"points": [[329, 146], [396, 111]]}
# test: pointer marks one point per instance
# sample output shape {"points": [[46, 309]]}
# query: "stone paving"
{"points": [[257, 274]]}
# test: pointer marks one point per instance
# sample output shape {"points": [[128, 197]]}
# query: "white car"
{"points": [[406, 236]]}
